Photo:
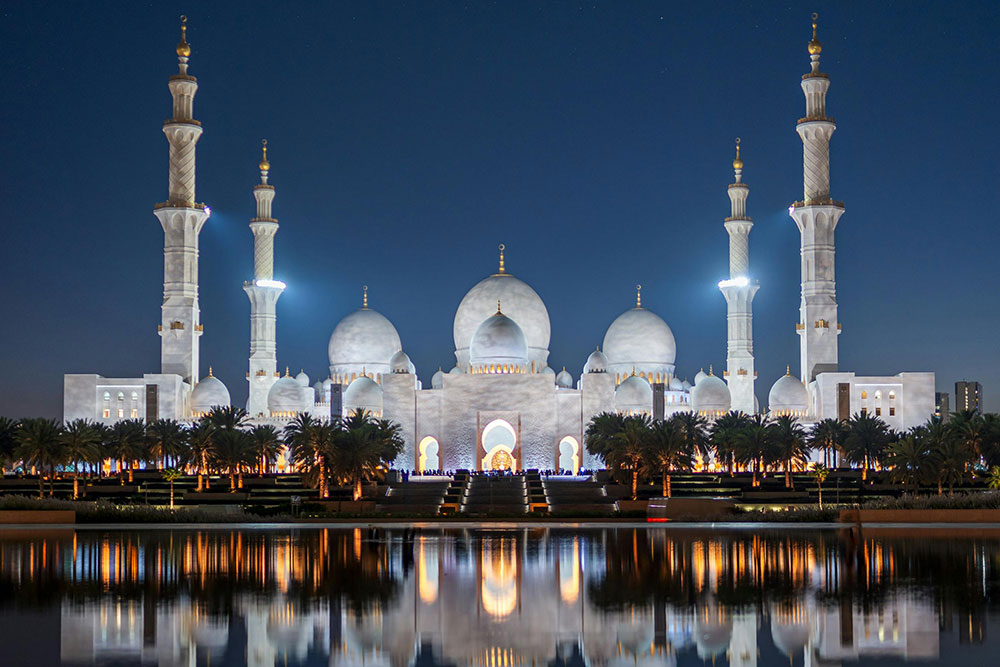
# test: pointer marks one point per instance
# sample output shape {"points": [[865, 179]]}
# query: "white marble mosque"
{"points": [[500, 404]]}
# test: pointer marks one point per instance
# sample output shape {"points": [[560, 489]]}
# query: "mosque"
{"points": [[500, 405]]}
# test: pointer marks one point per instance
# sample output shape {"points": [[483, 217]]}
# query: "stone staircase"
{"points": [[570, 496], [496, 495], [415, 496]]}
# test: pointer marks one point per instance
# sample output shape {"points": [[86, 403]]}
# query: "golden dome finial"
{"points": [[498, 307], [183, 48], [364, 297], [788, 369], [287, 374], [502, 248], [638, 296], [264, 164], [710, 370], [210, 372], [815, 48], [738, 162]]}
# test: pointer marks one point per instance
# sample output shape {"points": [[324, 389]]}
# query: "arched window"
{"points": [[499, 440], [121, 396], [878, 395], [135, 396], [429, 458], [107, 396], [569, 455], [864, 394]]}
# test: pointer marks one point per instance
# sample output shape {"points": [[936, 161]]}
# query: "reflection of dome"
{"points": [[210, 633], [640, 339], [790, 627], [363, 338], [597, 362], [209, 393], [363, 394], [634, 395], [711, 395], [400, 363], [521, 303], [788, 396], [564, 379], [285, 396], [437, 380], [712, 634], [498, 341]]}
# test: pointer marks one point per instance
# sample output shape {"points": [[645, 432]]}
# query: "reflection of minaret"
{"points": [[743, 643], [739, 291], [816, 217], [182, 220], [263, 291]]}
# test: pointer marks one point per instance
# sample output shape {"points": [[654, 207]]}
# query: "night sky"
{"points": [[409, 139]]}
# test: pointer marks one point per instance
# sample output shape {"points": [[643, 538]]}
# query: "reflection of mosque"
{"points": [[541, 596]]}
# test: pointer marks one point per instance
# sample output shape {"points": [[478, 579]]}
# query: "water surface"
{"points": [[540, 596]]}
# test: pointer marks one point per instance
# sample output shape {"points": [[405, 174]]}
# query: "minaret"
{"points": [[739, 291], [182, 219], [263, 291], [816, 217]]}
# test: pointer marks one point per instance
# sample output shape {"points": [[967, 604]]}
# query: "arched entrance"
{"points": [[569, 455], [428, 458], [499, 440]]}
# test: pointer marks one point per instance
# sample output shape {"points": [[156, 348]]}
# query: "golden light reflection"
{"points": [[499, 578]]}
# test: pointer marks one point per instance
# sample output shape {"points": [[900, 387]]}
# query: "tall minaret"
{"points": [[263, 292], [182, 220], [739, 291], [816, 217]]}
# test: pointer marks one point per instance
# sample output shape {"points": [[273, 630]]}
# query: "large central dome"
{"points": [[519, 302], [640, 341], [364, 340]]}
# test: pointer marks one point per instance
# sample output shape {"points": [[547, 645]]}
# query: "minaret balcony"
{"points": [[815, 75], [739, 218], [182, 121], [816, 119], [816, 202]]}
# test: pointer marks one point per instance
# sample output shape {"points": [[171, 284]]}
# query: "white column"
{"points": [[263, 293], [739, 291], [181, 219], [816, 216]]}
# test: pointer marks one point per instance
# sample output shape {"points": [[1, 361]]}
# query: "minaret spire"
{"points": [[263, 292], [816, 217], [181, 219], [739, 291]]}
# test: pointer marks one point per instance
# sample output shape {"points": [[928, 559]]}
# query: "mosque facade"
{"points": [[501, 405]]}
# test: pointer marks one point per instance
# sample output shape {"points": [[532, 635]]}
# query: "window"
{"points": [[878, 395], [135, 413], [892, 396], [107, 413], [892, 410], [878, 412], [121, 396], [135, 396], [864, 411], [864, 394], [107, 396], [121, 412]]}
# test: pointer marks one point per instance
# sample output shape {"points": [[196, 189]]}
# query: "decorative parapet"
{"points": [[173, 204], [815, 75], [742, 218], [799, 326], [818, 202], [182, 121]]}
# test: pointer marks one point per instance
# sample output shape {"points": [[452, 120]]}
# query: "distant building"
{"points": [[942, 404], [968, 396]]}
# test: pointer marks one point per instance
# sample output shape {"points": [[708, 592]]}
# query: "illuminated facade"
{"points": [[500, 405]]}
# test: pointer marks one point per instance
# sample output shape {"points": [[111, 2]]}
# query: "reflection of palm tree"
{"points": [[39, 446]]}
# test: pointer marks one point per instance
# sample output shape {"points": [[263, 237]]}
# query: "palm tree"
{"points": [[724, 434], [754, 442], [310, 441], [668, 448], [165, 439], [81, 442], [788, 445], [266, 445], [227, 418], [200, 445], [39, 445], [908, 459], [628, 447], [172, 475], [361, 445], [819, 473], [125, 444], [601, 432], [952, 457], [993, 478], [828, 435], [231, 450], [8, 443], [866, 440], [693, 429]]}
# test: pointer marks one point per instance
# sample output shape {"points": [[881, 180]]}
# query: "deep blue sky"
{"points": [[409, 139]]}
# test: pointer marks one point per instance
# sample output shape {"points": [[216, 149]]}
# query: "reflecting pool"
{"points": [[541, 595]]}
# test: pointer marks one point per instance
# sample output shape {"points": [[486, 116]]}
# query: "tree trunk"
{"points": [[52, 481], [940, 490], [357, 489], [669, 490], [41, 486], [635, 485], [171, 493], [323, 492], [198, 488], [819, 487], [232, 480], [788, 474]]}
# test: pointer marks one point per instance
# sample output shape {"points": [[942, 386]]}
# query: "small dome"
{"points": [[788, 396], [498, 340], [400, 363], [699, 376], [597, 362], [302, 378], [711, 395], [564, 379], [687, 385], [285, 396], [437, 380], [363, 394], [640, 339], [548, 371], [676, 384], [327, 383], [207, 394], [634, 395], [363, 338], [455, 371]]}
